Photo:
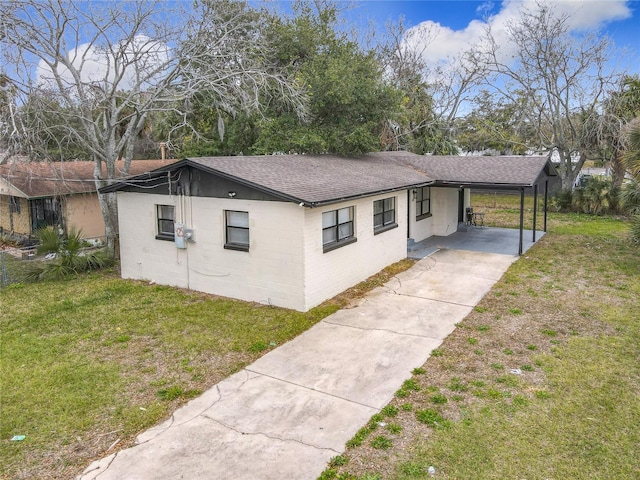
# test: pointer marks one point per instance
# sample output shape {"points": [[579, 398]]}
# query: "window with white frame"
{"points": [[165, 215], [384, 215], [423, 203], [337, 228], [237, 230]]}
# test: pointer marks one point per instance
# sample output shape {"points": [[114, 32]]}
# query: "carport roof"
{"points": [[488, 171], [315, 180]]}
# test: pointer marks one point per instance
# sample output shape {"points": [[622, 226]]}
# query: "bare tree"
{"points": [[562, 77], [107, 66], [434, 93]]}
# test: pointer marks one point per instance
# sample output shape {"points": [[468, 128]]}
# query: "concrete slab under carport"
{"points": [[287, 414], [502, 241]]}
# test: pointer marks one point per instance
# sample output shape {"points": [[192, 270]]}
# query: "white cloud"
{"points": [[134, 61], [441, 43], [485, 8]]}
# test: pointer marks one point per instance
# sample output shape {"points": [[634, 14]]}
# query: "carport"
{"points": [[526, 175], [505, 241]]}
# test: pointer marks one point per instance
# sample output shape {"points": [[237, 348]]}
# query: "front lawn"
{"points": [[540, 381], [89, 362]]}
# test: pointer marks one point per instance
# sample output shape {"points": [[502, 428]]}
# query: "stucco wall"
{"points": [[21, 221], [83, 212], [330, 273], [271, 272]]}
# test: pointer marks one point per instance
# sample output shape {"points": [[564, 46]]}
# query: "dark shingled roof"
{"points": [[323, 179], [490, 171], [46, 179], [318, 179]]}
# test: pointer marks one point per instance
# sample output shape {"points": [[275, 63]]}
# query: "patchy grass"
{"points": [[548, 387], [90, 362]]}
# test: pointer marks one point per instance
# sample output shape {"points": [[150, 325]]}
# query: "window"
{"points": [[423, 203], [45, 212], [166, 218], [337, 228], [384, 215], [237, 225]]}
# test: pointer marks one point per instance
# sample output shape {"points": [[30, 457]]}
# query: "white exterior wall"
{"points": [[444, 215], [444, 206], [142, 257], [327, 274], [286, 264], [271, 272]]}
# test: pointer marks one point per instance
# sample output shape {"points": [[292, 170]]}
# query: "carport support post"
{"points": [[546, 196], [535, 210], [521, 220]]}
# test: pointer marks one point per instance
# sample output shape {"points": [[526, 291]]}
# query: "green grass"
{"points": [[566, 314], [97, 354]]}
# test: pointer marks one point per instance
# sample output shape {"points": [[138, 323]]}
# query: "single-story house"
{"points": [[295, 230], [40, 194]]}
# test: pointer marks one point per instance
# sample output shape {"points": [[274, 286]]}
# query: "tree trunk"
{"points": [[617, 171], [109, 208]]}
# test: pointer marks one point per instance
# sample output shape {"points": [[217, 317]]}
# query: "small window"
{"points": [[423, 203], [384, 215], [237, 225], [166, 219], [14, 205], [337, 228]]}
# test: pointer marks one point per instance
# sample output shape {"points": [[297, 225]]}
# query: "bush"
{"points": [[69, 258], [630, 197]]}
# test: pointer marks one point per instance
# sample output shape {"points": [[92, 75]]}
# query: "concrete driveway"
{"points": [[287, 414]]}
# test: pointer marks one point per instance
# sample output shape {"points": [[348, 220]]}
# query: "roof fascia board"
{"points": [[13, 189], [483, 185], [371, 194], [152, 175]]}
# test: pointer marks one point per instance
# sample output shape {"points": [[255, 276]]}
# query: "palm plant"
{"points": [[67, 255], [630, 195]]}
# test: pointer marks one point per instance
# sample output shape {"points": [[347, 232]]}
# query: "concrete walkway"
{"points": [[287, 414]]}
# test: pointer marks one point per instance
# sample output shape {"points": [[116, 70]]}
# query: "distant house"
{"points": [[39, 194], [294, 230]]}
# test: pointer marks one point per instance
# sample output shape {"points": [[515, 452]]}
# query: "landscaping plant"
{"points": [[65, 255]]}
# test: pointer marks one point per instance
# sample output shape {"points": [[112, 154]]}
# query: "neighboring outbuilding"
{"points": [[295, 230], [62, 194]]}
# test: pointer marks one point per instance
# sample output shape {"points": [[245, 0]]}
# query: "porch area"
{"points": [[504, 241]]}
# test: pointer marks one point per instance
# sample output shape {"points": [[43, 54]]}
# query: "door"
{"points": [[461, 218]]}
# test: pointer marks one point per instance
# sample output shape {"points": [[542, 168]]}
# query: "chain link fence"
{"points": [[13, 264], [15, 261]]}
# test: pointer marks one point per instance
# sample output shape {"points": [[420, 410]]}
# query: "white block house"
{"points": [[286, 230]]}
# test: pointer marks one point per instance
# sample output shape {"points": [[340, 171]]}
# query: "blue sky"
{"points": [[459, 22]]}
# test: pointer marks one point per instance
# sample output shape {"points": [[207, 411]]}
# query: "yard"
{"points": [[90, 362], [540, 381]]}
